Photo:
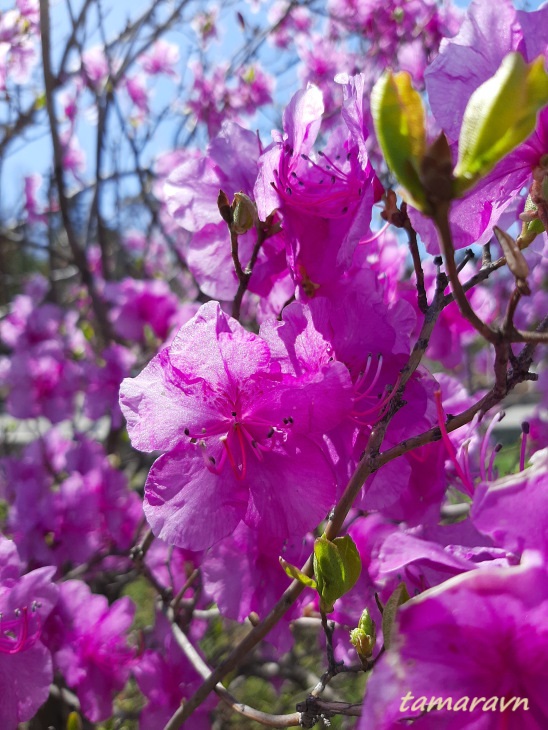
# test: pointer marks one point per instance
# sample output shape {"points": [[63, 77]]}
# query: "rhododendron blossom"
{"points": [[235, 428], [25, 663], [272, 450]]}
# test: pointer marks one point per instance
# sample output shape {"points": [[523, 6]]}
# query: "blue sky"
{"points": [[33, 154]]}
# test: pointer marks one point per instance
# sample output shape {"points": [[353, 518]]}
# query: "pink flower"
{"points": [[166, 678], [89, 646], [325, 199], [237, 434], [25, 663], [139, 304], [161, 59], [481, 635]]}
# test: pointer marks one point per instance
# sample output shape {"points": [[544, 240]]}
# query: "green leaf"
{"points": [[294, 572], [87, 331], [337, 567], [398, 597], [500, 115], [398, 117]]}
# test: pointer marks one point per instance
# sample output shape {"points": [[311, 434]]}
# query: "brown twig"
{"points": [[77, 253], [417, 265], [244, 275], [441, 219]]}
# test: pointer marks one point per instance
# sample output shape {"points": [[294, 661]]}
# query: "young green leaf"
{"points": [[398, 117], [500, 115]]}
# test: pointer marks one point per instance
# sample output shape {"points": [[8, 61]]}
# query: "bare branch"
{"points": [[265, 718], [77, 253]]}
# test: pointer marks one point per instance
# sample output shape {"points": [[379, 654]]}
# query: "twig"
{"points": [[265, 718], [328, 629], [77, 253], [417, 265], [441, 218], [179, 597], [244, 275]]}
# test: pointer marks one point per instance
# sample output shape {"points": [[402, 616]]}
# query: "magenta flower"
{"points": [[166, 678], [212, 102], [479, 640], [242, 574], [162, 58], [287, 22], [95, 66], [191, 190], [137, 304], [373, 357], [42, 381], [89, 647], [325, 198], [237, 434], [497, 504], [103, 383], [66, 502], [25, 663]]}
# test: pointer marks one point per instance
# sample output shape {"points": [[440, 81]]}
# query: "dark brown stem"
{"points": [[417, 265], [441, 219]]}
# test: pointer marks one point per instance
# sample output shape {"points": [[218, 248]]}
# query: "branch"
{"points": [[364, 469], [417, 265], [77, 253], [314, 708], [441, 219], [518, 374], [265, 718]]}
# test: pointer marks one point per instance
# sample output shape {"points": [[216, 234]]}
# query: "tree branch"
{"points": [[77, 253]]}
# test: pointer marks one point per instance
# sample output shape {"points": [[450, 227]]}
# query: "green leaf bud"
{"points": [[500, 115]]}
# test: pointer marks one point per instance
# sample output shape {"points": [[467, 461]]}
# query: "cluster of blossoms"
{"points": [[19, 29], [240, 356]]}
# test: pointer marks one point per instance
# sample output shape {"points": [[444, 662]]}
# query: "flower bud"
{"points": [[224, 207], [244, 213], [363, 638]]}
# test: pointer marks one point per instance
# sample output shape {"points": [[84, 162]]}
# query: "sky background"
{"points": [[33, 153]]}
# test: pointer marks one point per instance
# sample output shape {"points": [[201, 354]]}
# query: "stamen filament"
{"points": [[494, 453], [524, 433], [373, 382], [376, 235], [466, 481], [485, 443]]}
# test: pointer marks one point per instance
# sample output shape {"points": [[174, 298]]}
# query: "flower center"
{"points": [[20, 629]]}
